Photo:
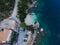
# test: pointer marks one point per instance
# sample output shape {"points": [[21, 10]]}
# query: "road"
{"points": [[14, 13], [21, 32], [21, 37]]}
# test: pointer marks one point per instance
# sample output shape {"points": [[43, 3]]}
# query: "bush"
{"points": [[30, 28]]}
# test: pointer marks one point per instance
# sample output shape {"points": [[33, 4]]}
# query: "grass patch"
{"points": [[30, 28]]}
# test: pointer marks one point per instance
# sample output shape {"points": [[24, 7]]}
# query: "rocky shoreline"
{"points": [[31, 6]]}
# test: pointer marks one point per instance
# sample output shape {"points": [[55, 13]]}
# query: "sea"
{"points": [[48, 13]]}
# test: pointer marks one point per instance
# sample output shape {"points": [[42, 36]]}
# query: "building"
{"points": [[7, 27]]}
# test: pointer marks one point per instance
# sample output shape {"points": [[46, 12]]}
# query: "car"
{"points": [[28, 32], [22, 29], [24, 41], [26, 36]]}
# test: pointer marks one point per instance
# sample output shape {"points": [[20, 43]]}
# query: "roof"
{"points": [[4, 35], [6, 25]]}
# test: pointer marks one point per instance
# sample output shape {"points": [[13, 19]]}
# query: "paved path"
{"points": [[14, 13]]}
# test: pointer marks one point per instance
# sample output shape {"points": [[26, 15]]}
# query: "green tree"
{"points": [[5, 8], [22, 7]]}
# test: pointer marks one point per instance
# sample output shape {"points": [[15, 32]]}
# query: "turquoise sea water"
{"points": [[39, 13], [34, 17], [48, 13]]}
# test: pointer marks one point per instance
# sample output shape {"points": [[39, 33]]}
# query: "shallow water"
{"points": [[48, 13]]}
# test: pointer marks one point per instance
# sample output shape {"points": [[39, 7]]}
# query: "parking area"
{"points": [[23, 37]]}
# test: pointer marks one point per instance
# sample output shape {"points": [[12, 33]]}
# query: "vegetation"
{"points": [[6, 7], [22, 7], [27, 27], [30, 28], [13, 38]]}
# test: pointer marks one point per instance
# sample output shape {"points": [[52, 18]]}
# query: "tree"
{"points": [[22, 7], [6, 6]]}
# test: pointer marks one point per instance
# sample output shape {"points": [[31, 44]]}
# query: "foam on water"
{"points": [[31, 18], [34, 17]]}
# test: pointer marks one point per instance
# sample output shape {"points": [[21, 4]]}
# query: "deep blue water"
{"points": [[52, 15], [50, 9]]}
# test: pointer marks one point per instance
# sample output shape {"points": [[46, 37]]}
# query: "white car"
{"points": [[24, 41], [26, 37]]}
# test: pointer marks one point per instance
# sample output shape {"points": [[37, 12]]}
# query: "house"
{"points": [[7, 27]]}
